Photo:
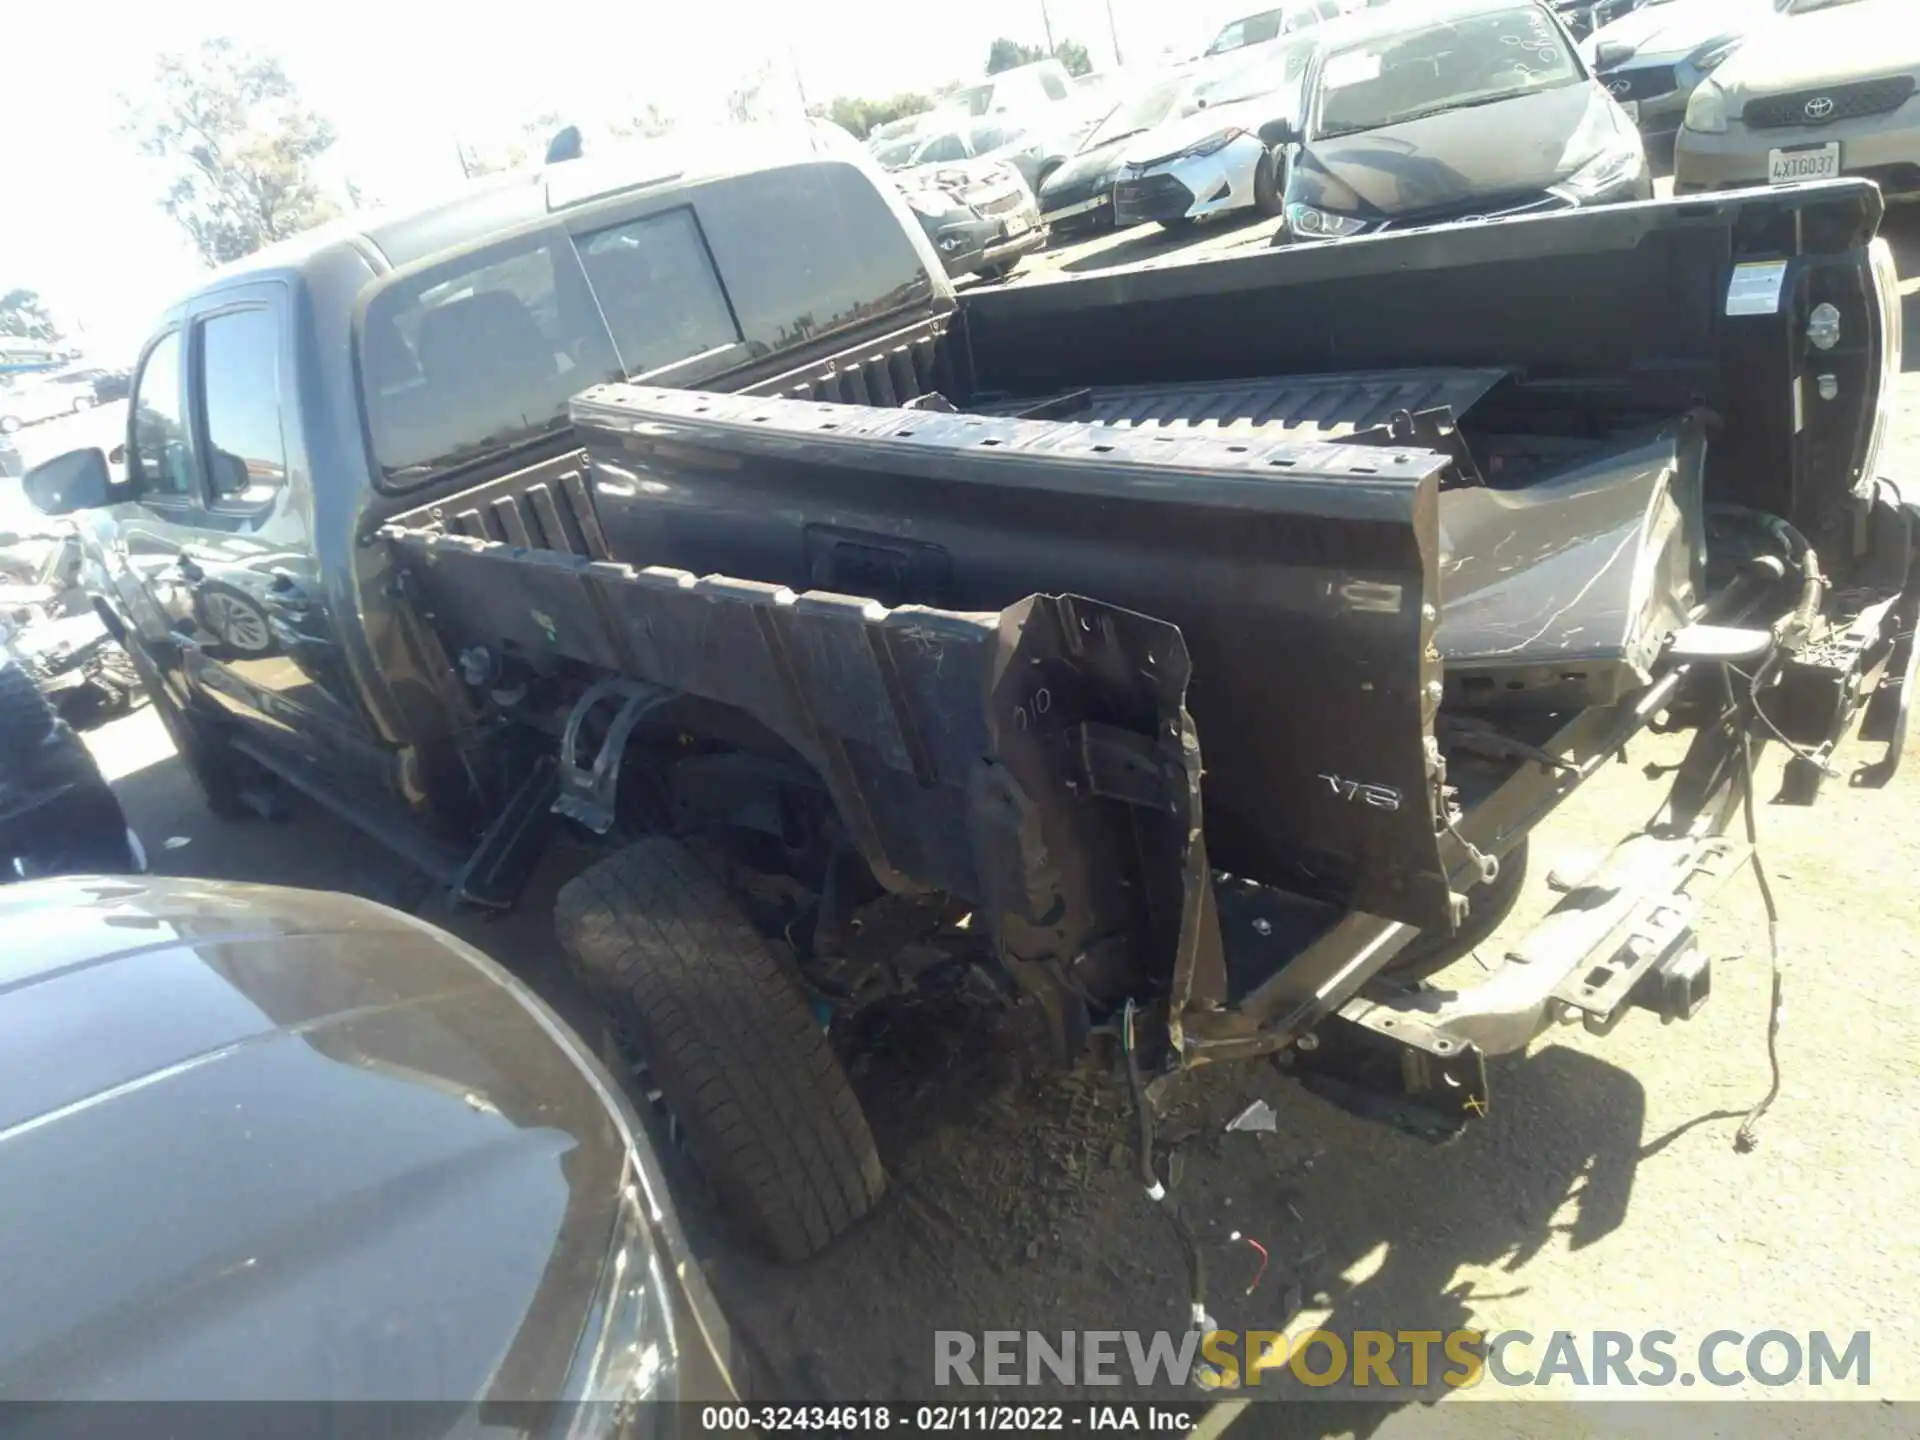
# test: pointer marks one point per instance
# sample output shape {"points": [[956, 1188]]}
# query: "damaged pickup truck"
{"points": [[1199, 641]]}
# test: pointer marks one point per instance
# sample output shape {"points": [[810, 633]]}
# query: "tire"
{"points": [[1266, 185], [57, 815], [209, 763], [729, 1037], [234, 618], [1432, 952]]}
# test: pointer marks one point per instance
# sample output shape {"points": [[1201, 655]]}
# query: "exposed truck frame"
{"points": [[1201, 639]]}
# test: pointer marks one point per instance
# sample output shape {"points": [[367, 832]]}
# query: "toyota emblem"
{"points": [[1819, 107], [1619, 88]]}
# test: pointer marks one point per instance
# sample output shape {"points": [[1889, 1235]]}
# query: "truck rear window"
{"points": [[486, 351]]}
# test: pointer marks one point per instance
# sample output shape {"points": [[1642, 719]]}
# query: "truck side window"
{"points": [[240, 380], [1052, 84], [657, 288], [158, 457]]}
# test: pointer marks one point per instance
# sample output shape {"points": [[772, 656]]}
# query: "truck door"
{"points": [[144, 539], [263, 643]]}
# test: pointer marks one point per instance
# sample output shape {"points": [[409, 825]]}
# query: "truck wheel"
{"points": [[729, 1037], [209, 763], [1431, 952]]}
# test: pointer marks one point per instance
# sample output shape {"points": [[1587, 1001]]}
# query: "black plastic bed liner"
{"points": [[1324, 407]]}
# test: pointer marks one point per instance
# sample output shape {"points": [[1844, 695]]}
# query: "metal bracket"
{"points": [[588, 794]]}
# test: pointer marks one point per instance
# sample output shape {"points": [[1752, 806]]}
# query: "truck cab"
{"points": [[280, 413]]}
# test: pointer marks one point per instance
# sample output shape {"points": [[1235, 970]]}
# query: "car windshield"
{"points": [[1449, 65], [975, 100], [1132, 116], [1269, 68], [1249, 31]]}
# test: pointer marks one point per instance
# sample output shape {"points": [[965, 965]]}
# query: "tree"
{"points": [[24, 317], [527, 147], [861, 117], [751, 98], [1073, 55], [242, 147], [1005, 54]]}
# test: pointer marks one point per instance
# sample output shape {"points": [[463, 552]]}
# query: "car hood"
{"points": [[1674, 31], [1172, 136], [1860, 41], [1456, 156], [1096, 168], [265, 1144]]}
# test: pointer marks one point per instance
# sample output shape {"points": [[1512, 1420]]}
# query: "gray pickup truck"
{"points": [[1184, 652]]}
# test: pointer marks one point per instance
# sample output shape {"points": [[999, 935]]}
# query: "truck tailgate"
{"points": [[1302, 576]]}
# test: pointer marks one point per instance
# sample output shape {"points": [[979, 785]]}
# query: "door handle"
{"points": [[190, 568]]}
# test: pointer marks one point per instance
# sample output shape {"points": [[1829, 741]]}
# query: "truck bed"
{"points": [[1495, 501]]}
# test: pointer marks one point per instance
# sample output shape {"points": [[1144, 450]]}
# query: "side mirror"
{"points": [[1611, 54], [1276, 133], [117, 455], [229, 473], [77, 480]]}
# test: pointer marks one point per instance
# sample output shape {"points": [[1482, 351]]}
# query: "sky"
{"points": [[405, 83]]}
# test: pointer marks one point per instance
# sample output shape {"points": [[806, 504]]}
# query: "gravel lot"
{"points": [[1602, 1192]]}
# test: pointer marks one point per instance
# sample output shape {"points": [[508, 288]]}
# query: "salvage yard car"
{"points": [[1829, 90], [57, 815], [1210, 156], [980, 214], [1414, 119], [1653, 59], [1195, 644], [1077, 196], [371, 1167]]}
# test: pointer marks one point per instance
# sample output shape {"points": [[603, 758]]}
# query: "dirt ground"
{"points": [[1601, 1192]]}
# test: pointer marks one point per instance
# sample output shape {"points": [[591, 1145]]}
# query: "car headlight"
{"points": [[627, 1352], [1214, 143], [1309, 221], [1612, 167], [1709, 56], [929, 202], [1707, 110]]}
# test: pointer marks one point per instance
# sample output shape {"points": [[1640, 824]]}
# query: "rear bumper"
{"points": [[1883, 148]]}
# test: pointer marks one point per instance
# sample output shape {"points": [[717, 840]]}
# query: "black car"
{"points": [[1077, 197], [1481, 110], [275, 1145], [57, 815]]}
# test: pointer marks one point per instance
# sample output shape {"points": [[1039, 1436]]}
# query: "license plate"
{"points": [[1016, 227], [1810, 162], [1632, 107]]}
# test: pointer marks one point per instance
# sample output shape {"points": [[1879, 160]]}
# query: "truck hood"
{"points": [[1674, 31], [1455, 157], [264, 1144], [1859, 41]]}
